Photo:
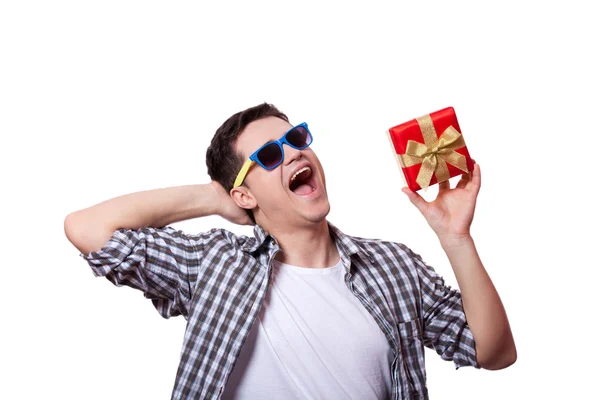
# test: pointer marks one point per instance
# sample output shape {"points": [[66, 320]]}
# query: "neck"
{"points": [[310, 246]]}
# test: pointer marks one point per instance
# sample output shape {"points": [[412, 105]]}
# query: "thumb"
{"points": [[416, 199]]}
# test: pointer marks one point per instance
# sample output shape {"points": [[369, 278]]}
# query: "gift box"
{"points": [[430, 149]]}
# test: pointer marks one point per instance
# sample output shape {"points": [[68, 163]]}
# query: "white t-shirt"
{"points": [[313, 339]]}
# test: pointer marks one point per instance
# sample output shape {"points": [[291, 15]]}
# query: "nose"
{"points": [[290, 154]]}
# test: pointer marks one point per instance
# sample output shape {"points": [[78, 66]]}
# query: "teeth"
{"points": [[299, 172]]}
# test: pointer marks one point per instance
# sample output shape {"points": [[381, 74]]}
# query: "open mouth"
{"points": [[303, 182]]}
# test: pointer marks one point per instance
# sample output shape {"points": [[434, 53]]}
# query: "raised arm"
{"points": [[127, 240], [90, 228], [450, 216]]}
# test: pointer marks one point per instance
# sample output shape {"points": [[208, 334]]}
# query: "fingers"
{"points": [[466, 181], [444, 185], [463, 181], [476, 177], [416, 199]]}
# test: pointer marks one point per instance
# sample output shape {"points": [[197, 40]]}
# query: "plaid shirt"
{"points": [[217, 280]]}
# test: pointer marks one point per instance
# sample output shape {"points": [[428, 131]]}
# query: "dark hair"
{"points": [[221, 158]]}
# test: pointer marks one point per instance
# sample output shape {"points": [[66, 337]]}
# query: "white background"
{"points": [[107, 98]]}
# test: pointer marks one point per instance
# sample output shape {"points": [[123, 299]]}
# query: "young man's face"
{"points": [[279, 198]]}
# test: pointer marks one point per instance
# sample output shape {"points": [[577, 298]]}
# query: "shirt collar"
{"points": [[347, 245]]}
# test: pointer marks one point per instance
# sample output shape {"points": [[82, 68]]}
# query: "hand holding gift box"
{"points": [[430, 149]]}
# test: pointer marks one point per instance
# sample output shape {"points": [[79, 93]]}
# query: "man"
{"points": [[300, 310]]}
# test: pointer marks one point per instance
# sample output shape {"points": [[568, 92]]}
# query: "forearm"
{"points": [[90, 228], [483, 308]]}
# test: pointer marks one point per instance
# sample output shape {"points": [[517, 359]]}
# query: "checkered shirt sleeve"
{"points": [[445, 327], [161, 262]]}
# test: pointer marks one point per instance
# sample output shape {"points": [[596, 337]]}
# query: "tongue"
{"points": [[303, 189]]}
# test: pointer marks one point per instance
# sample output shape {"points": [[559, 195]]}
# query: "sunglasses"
{"points": [[270, 155]]}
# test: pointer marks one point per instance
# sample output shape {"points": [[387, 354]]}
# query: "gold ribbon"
{"points": [[435, 153]]}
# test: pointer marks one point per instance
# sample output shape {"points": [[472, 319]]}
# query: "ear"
{"points": [[242, 196]]}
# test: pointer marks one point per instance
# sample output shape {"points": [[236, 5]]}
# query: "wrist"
{"points": [[455, 241], [213, 198]]}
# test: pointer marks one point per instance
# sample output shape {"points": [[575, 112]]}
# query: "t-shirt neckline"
{"points": [[304, 270]]}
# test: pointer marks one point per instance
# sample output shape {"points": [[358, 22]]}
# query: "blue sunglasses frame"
{"points": [[254, 156]]}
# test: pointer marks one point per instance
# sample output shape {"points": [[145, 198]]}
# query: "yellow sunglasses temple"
{"points": [[242, 174]]}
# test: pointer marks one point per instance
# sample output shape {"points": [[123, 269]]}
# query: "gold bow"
{"points": [[435, 153]]}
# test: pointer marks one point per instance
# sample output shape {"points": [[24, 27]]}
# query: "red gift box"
{"points": [[430, 149]]}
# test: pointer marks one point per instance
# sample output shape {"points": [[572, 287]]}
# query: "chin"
{"points": [[318, 214]]}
